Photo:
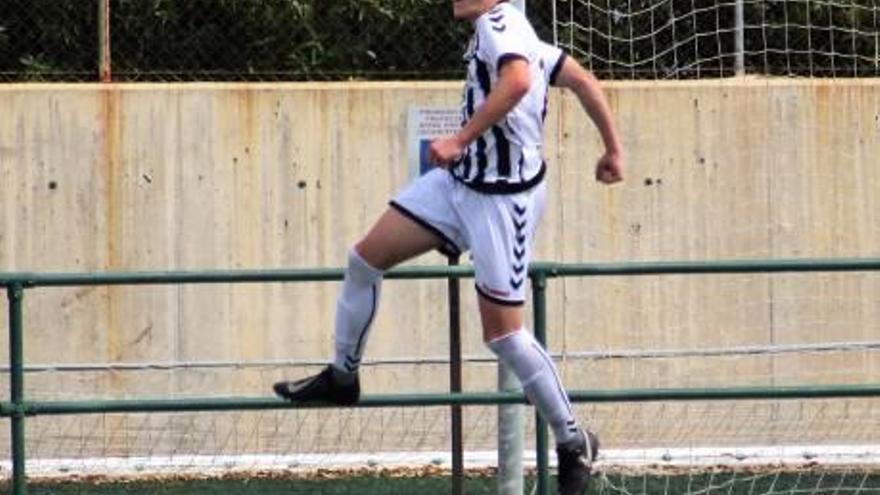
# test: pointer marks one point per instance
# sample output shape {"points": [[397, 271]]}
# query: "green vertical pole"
{"points": [[455, 381], [539, 303], [15, 295]]}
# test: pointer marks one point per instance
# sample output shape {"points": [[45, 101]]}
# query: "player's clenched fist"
{"points": [[445, 151], [609, 168]]}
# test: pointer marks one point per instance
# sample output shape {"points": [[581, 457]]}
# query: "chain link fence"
{"points": [[284, 39], [47, 40], [297, 40]]}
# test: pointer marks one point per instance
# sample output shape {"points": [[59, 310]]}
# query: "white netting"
{"points": [[675, 39], [714, 443]]}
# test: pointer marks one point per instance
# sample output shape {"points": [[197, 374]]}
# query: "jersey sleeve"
{"points": [[552, 58], [500, 39]]}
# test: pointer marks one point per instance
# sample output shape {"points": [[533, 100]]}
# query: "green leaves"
{"points": [[42, 39], [285, 39], [4, 41], [418, 39]]}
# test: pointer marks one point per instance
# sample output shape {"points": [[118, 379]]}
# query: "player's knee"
{"points": [[499, 320], [362, 269], [494, 334], [366, 253]]}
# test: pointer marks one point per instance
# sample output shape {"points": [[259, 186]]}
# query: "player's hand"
{"points": [[444, 152], [609, 168]]}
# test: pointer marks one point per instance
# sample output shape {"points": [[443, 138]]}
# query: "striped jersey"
{"points": [[507, 158]]}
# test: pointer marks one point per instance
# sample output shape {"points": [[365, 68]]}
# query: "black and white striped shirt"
{"points": [[507, 158]]}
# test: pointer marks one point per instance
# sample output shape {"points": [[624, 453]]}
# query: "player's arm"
{"points": [[582, 83], [513, 84]]}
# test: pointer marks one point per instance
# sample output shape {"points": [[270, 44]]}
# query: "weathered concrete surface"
{"points": [[227, 176]]}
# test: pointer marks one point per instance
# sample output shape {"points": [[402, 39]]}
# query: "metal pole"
{"points": [[485, 399], [740, 39], [15, 295], [104, 69], [510, 436], [455, 380], [876, 43], [539, 306]]}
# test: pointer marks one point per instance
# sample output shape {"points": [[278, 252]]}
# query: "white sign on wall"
{"points": [[423, 124]]}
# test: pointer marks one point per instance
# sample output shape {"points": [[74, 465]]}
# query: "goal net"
{"points": [[826, 446], [687, 39]]}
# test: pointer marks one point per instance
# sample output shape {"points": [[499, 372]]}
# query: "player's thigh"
{"points": [[420, 218], [395, 238], [500, 232]]}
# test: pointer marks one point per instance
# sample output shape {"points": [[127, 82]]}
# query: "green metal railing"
{"points": [[18, 408]]}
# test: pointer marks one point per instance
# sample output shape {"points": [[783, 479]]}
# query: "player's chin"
{"points": [[462, 9], [609, 178]]}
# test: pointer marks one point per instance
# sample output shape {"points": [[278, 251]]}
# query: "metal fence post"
{"points": [[740, 39], [510, 436], [15, 296], [539, 306], [455, 380], [104, 68]]}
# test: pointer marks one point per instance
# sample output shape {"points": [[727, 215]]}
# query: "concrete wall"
{"points": [[229, 176]]}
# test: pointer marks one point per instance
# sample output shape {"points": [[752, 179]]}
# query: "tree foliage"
{"points": [[418, 39]]}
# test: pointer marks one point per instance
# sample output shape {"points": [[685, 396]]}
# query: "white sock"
{"points": [[537, 373], [355, 308]]}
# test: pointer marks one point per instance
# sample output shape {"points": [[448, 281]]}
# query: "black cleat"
{"points": [[323, 387], [575, 465]]}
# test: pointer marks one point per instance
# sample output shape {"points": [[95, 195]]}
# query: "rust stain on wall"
{"points": [[248, 197], [109, 128]]}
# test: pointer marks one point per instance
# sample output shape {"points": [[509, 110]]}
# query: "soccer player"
{"points": [[485, 195]]}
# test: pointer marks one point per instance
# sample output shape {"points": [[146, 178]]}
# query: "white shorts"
{"points": [[497, 228]]}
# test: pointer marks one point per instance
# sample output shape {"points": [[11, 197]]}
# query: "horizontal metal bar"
{"points": [[37, 408], [703, 267], [426, 272], [727, 393], [596, 355], [253, 403], [217, 276]]}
